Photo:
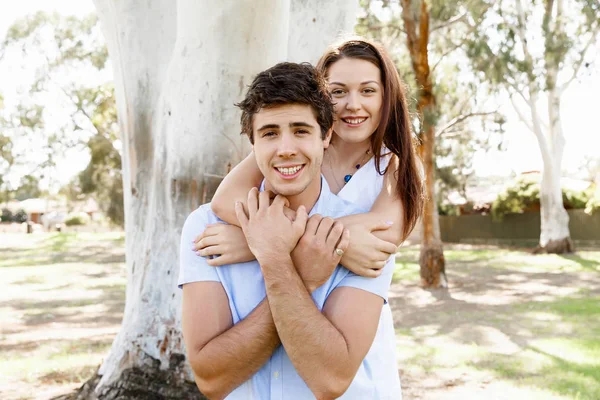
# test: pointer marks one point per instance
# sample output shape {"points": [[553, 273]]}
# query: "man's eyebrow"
{"points": [[300, 124], [268, 126], [362, 83]]}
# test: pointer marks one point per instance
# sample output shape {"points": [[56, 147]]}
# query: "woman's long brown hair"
{"points": [[394, 130]]}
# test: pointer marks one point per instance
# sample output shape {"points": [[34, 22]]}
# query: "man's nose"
{"points": [[287, 145]]}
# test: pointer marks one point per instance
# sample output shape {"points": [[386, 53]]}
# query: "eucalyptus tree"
{"points": [[426, 37], [179, 66], [66, 52], [535, 50]]}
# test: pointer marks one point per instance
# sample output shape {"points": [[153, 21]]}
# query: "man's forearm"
{"points": [[231, 358], [315, 346]]}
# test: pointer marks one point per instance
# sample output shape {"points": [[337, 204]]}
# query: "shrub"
{"points": [[524, 195], [77, 219], [593, 204], [7, 215], [20, 216]]}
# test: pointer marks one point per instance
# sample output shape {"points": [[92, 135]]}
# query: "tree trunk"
{"points": [[431, 259], [179, 67], [555, 236]]}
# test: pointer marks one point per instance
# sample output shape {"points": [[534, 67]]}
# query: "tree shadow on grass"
{"points": [[72, 311], [88, 254], [586, 263], [576, 380]]}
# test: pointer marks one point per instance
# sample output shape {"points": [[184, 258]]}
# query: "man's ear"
{"points": [[327, 139]]}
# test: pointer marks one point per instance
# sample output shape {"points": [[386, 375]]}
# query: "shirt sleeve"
{"points": [[379, 286], [193, 268]]}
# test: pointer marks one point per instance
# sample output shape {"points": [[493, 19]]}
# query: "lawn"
{"points": [[61, 303], [511, 326]]}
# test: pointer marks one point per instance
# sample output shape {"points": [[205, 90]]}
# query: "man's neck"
{"points": [[308, 198]]}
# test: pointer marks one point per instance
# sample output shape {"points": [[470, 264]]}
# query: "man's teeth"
{"points": [[290, 171], [355, 121]]}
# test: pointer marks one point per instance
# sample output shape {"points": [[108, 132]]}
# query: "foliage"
{"points": [[29, 188], [7, 215], [91, 124], [20, 216], [593, 204], [463, 126], [80, 218], [524, 194]]}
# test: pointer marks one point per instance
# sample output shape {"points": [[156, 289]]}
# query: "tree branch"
{"points": [[451, 21], [521, 116], [462, 118], [579, 62]]}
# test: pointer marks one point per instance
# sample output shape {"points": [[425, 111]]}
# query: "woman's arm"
{"points": [[388, 207], [375, 235], [235, 187]]}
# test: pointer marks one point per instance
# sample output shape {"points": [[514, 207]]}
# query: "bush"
{"points": [[578, 200], [7, 215], [593, 204], [20, 216], [524, 195], [77, 219]]}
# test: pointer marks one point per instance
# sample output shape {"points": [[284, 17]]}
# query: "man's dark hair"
{"points": [[287, 83]]}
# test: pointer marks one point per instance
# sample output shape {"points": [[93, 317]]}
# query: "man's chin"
{"points": [[288, 190]]}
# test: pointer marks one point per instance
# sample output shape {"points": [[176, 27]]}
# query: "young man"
{"points": [[293, 324]]}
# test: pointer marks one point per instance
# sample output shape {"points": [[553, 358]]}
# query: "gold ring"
{"points": [[339, 252]]}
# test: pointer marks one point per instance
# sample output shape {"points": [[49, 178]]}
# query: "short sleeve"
{"points": [[379, 286], [193, 268]]}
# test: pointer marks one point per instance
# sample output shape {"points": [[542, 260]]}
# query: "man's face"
{"points": [[288, 148]]}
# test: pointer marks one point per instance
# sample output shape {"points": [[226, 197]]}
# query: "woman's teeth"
{"points": [[290, 171], [355, 121]]}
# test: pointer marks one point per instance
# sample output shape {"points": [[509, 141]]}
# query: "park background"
{"points": [[489, 318]]}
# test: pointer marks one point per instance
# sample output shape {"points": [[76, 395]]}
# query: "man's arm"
{"points": [[325, 348], [223, 356], [219, 359]]}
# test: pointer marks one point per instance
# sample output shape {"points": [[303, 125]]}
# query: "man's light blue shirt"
{"points": [[245, 288]]}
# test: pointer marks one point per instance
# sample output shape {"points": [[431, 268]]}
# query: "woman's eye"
{"points": [[337, 92], [369, 90]]}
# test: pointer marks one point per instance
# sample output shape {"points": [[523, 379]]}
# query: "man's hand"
{"points": [[268, 231], [315, 256]]}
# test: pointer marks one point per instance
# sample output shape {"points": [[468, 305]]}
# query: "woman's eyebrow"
{"points": [[362, 83]]}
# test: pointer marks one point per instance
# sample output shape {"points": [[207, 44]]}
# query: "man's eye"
{"points": [[302, 131], [269, 133]]}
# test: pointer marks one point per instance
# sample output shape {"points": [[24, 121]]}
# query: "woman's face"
{"points": [[357, 91]]}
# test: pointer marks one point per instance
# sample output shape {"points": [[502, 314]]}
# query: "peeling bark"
{"points": [[179, 67], [431, 259]]}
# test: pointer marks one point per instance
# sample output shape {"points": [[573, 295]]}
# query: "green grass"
{"points": [[61, 302], [529, 321]]}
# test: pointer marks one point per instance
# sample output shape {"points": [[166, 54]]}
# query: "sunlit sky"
{"points": [[580, 108]]}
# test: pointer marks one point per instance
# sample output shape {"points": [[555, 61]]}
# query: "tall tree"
{"points": [[77, 48], [179, 68], [433, 33], [536, 51]]}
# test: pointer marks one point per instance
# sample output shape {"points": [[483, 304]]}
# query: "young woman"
{"points": [[370, 162]]}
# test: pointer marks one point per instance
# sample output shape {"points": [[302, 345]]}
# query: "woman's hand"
{"points": [[226, 243], [366, 254]]}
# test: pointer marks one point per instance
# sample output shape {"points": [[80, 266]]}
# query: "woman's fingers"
{"points": [[210, 251], [386, 247], [335, 234], [206, 242]]}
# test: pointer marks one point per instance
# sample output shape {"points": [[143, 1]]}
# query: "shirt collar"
{"points": [[321, 205]]}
